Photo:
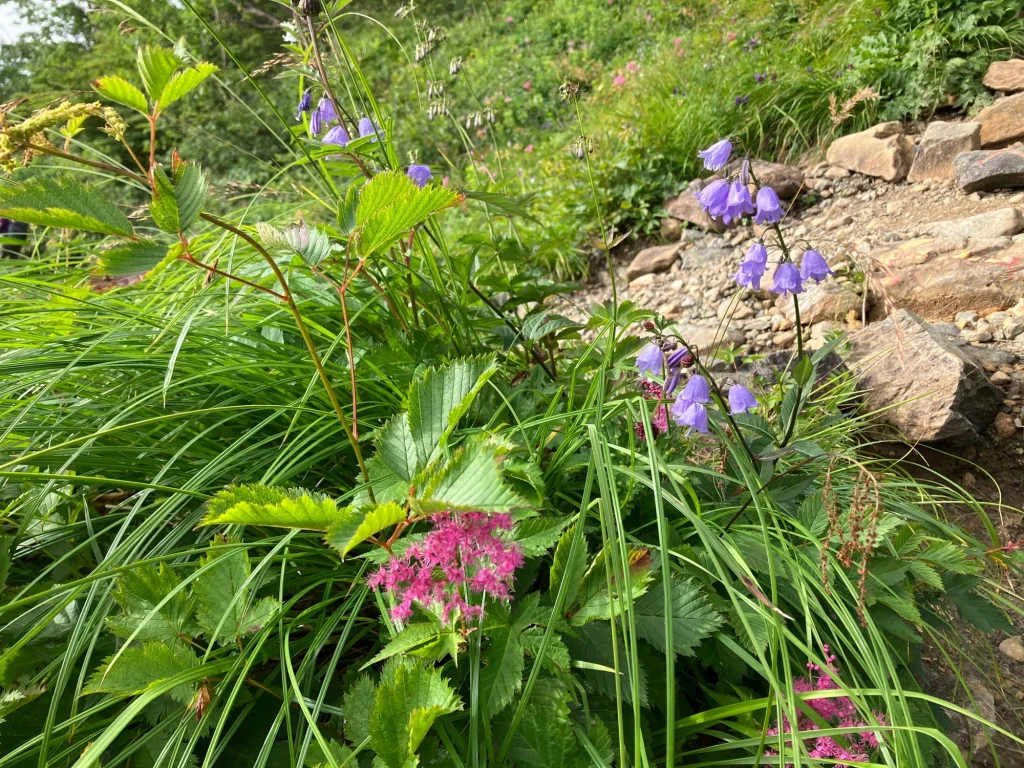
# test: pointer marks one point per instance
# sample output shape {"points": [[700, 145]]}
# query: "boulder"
{"points": [[990, 169], [823, 302], [1006, 76], [931, 277], [1004, 222], [649, 260], [920, 382], [685, 207], [786, 180], [1002, 122], [882, 151], [941, 143], [707, 338]]}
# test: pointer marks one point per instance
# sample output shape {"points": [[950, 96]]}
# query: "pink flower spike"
{"points": [[527, 85]]}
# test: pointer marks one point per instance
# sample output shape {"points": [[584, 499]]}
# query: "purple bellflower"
{"points": [[367, 128], [749, 274], [316, 122], [328, 112], [740, 400], [696, 390], [687, 413], [787, 280], [337, 135], [715, 197], [420, 175], [769, 209], [717, 155], [305, 103], [738, 203], [814, 267], [650, 360]]}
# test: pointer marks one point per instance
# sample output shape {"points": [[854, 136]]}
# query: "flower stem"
{"points": [[605, 238]]}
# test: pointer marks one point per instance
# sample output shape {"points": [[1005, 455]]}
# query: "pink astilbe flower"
{"points": [[459, 558], [659, 420], [838, 711]]}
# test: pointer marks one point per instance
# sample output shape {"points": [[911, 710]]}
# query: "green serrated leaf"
{"points": [[358, 706], [139, 592], [364, 523], [64, 203], [156, 65], [568, 568], [408, 701], [139, 668], [132, 259], [693, 618], [390, 205], [312, 245], [347, 210], [121, 91], [536, 535], [472, 480], [181, 83], [438, 400], [397, 449], [175, 208], [275, 507], [222, 609], [409, 638], [164, 205], [545, 738]]}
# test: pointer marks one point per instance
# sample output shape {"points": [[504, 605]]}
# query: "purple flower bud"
{"points": [[745, 171], [367, 128], [650, 360], [696, 390], [687, 413], [717, 155], [327, 109], [676, 359], [787, 280], [814, 267], [738, 203], [304, 104], [740, 400], [672, 383], [316, 122], [420, 174], [337, 135], [715, 197], [769, 209], [741, 100]]}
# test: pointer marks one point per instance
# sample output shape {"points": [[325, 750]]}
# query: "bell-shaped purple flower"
{"points": [[787, 280], [305, 103], [738, 203], [696, 390], [367, 128], [714, 198], [717, 155], [740, 400], [337, 135], [814, 267], [687, 413], [750, 273], [328, 112], [316, 122], [650, 360], [420, 174], [757, 253], [769, 209]]}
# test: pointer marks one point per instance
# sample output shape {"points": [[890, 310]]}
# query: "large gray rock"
{"points": [[685, 208], [707, 338], [822, 302], [941, 143], [650, 260], [920, 382], [882, 151], [989, 169], [1002, 122], [1006, 76], [786, 180], [1004, 222]]}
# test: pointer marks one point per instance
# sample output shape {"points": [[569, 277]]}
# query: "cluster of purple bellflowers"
{"points": [[731, 201], [660, 359], [325, 113]]}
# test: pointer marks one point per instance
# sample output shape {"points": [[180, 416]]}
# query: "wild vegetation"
{"points": [[311, 475]]}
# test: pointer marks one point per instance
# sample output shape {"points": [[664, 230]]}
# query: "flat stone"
{"points": [[1012, 648], [1004, 222], [834, 172], [941, 143], [1002, 122], [986, 246], [686, 208], [882, 151], [695, 257], [988, 170], [827, 301], [786, 180], [920, 382], [708, 338], [1005, 76], [990, 356], [655, 259]]}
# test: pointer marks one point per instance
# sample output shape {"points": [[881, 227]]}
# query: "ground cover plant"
{"points": [[318, 479]]}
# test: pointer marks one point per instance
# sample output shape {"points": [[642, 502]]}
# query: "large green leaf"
{"points": [[503, 674], [397, 449], [181, 83], [408, 701], [154, 604], [692, 620], [362, 524], [62, 203], [223, 611], [358, 707], [312, 245], [156, 65], [120, 90], [545, 738], [568, 567], [275, 507], [390, 205], [132, 259], [438, 400], [176, 206], [142, 667], [472, 480]]}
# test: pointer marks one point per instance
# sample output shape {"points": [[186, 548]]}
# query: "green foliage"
{"points": [[156, 606], [133, 259], [691, 621], [177, 205], [137, 669], [62, 203], [275, 507], [471, 480], [363, 523], [225, 607], [309, 243], [120, 90]]}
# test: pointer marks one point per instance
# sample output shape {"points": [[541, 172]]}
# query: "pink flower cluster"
{"points": [[838, 711], [659, 421], [460, 557]]}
